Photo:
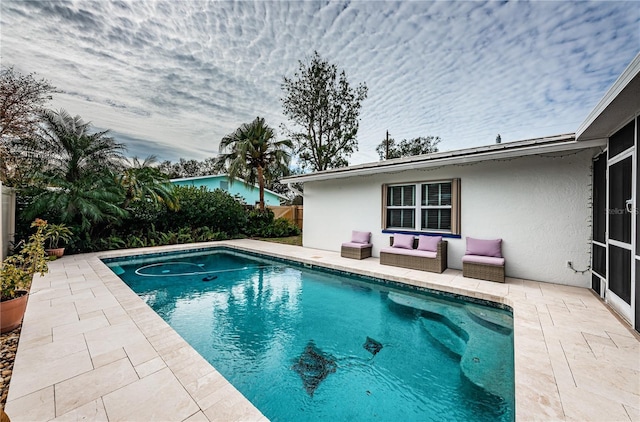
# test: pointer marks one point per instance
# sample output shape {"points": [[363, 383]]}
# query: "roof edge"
{"points": [[631, 71], [470, 155]]}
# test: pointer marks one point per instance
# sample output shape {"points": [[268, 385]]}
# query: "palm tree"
{"points": [[76, 169], [68, 149], [141, 180], [252, 151]]}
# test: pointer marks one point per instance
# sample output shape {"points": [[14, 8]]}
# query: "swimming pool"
{"points": [[312, 344]]}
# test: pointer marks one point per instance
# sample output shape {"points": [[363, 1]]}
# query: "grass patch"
{"points": [[291, 240]]}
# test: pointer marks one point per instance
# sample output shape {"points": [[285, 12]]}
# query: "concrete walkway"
{"points": [[91, 349]]}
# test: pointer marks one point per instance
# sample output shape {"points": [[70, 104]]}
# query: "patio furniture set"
{"points": [[482, 260]]}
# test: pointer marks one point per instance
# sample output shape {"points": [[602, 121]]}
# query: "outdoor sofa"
{"points": [[425, 253]]}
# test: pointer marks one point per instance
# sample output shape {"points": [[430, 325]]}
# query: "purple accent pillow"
{"points": [[429, 243], [360, 237], [404, 241], [492, 247]]}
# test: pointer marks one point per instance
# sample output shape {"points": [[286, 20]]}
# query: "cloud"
{"points": [[178, 76]]}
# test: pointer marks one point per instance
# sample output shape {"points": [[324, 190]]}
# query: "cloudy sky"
{"points": [[171, 78]]}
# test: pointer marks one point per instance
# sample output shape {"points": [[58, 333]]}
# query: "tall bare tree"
{"points": [[324, 109], [22, 98]]}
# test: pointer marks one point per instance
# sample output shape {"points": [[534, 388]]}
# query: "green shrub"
{"points": [[201, 207], [281, 227], [262, 224], [258, 221]]}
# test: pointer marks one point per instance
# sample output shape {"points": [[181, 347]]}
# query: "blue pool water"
{"points": [[313, 345]]}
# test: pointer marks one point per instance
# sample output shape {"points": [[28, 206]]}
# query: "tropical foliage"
{"points": [[18, 269], [76, 169], [325, 110], [407, 147], [143, 181], [79, 179], [188, 168], [55, 233], [253, 153]]}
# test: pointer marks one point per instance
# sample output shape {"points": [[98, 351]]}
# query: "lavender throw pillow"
{"points": [[482, 247], [360, 237], [429, 243], [404, 241]]}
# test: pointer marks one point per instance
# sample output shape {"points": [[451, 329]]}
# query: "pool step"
{"points": [[475, 345], [500, 322], [444, 336]]}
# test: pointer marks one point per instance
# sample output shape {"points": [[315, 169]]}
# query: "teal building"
{"points": [[250, 193]]}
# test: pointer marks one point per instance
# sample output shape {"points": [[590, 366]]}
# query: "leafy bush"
{"points": [[200, 207], [203, 216], [258, 221], [281, 227], [262, 224]]}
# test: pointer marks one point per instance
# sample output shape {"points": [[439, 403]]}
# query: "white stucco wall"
{"points": [[540, 206]]}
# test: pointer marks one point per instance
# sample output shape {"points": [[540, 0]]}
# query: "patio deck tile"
{"points": [[633, 412], [139, 401], [79, 327], [92, 385], [108, 357], [37, 375], [149, 367], [46, 294], [204, 386], [574, 358], [91, 314], [40, 354], [140, 352], [113, 337], [232, 408], [37, 406], [581, 405], [197, 417], [93, 411]]}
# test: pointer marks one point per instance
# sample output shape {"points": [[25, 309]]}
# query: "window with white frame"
{"points": [[401, 206], [422, 206]]}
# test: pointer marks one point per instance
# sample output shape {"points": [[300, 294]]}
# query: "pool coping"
{"points": [[90, 347]]}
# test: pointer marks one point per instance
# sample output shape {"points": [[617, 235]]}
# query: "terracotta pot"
{"points": [[12, 311], [57, 252]]}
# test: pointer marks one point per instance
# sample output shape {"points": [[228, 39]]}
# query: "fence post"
{"points": [[7, 217]]}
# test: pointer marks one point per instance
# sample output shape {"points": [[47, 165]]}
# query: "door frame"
{"points": [[627, 311]]}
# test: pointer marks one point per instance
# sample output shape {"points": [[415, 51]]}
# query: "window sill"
{"points": [[418, 233]]}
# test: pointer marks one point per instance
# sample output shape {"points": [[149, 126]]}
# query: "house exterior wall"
{"points": [[250, 193], [540, 207]]}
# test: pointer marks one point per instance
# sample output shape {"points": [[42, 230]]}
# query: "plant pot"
{"points": [[12, 311], [57, 252]]}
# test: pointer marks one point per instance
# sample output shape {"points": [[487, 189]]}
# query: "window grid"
{"points": [[401, 206], [424, 205], [435, 207]]}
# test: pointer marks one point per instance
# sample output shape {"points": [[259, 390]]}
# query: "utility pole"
{"points": [[386, 150]]}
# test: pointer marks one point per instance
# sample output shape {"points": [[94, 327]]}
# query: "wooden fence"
{"points": [[291, 212]]}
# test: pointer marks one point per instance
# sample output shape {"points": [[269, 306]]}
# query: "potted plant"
{"points": [[16, 274], [55, 233]]}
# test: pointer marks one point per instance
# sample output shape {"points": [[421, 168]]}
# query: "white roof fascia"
{"points": [[450, 159], [183, 179], [618, 86]]}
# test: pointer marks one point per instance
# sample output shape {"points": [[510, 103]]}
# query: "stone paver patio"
{"points": [[91, 349]]}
